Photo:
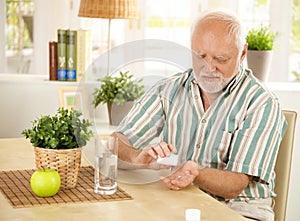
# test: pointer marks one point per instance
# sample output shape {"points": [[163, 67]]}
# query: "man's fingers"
{"points": [[161, 149], [152, 152], [172, 148]]}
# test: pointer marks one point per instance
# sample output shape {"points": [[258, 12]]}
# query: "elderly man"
{"points": [[224, 125]]}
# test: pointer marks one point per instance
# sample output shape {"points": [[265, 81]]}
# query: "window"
{"points": [[172, 19], [295, 42], [165, 20], [19, 34], [254, 12]]}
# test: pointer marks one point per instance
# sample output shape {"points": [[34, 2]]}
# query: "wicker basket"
{"points": [[66, 162]]}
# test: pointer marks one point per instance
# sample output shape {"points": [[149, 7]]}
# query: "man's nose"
{"points": [[210, 64]]}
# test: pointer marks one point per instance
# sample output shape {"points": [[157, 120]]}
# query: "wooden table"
{"points": [[150, 201]]}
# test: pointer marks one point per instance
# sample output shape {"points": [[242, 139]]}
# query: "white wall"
{"points": [[26, 97]]}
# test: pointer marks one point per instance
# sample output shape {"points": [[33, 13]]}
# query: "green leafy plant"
{"points": [[64, 130], [261, 38], [118, 89]]}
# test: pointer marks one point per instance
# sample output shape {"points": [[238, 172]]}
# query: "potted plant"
{"points": [[260, 49], [58, 142], [119, 93]]}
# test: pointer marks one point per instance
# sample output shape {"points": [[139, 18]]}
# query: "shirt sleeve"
{"points": [[255, 143], [144, 122]]}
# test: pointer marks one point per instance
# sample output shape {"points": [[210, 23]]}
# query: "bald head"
{"points": [[229, 22]]}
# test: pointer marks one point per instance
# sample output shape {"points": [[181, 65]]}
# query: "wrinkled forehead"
{"points": [[214, 38], [214, 27]]}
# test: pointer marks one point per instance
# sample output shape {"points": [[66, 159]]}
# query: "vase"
{"points": [[117, 112], [66, 162], [259, 62]]}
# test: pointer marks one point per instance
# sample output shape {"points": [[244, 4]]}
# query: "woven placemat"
{"points": [[15, 186]]}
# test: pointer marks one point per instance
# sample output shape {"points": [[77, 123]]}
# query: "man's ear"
{"points": [[244, 52]]}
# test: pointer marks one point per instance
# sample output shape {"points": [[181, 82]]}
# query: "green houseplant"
{"points": [[260, 49], [261, 39], [57, 142], [64, 130], [119, 93]]}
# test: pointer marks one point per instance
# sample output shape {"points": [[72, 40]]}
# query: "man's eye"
{"points": [[221, 60]]}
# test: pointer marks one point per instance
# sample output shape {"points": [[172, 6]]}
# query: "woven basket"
{"points": [[66, 162]]}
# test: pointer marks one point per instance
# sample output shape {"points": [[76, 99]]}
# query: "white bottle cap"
{"points": [[192, 215]]}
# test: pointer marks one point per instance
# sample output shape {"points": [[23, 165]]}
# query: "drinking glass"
{"points": [[106, 164]]}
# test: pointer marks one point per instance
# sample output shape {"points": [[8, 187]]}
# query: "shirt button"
{"points": [[196, 97], [203, 121], [198, 146]]}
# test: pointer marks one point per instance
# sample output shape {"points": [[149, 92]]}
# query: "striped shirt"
{"points": [[240, 131]]}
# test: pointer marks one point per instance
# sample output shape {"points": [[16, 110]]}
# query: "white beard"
{"points": [[212, 82]]}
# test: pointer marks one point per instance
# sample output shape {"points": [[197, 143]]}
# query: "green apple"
{"points": [[45, 182]]}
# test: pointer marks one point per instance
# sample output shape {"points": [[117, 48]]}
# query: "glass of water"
{"points": [[106, 164]]}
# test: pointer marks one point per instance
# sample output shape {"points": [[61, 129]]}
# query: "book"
{"points": [[61, 55], [71, 55], [52, 60], [84, 53]]}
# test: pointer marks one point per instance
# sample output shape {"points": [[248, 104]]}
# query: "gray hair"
{"points": [[234, 25]]}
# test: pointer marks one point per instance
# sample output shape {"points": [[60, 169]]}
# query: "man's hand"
{"points": [[148, 155], [132, 158], [182, 176], [224, 183]]}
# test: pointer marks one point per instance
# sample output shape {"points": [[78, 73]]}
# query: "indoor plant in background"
{"points": [[58, 142], [119, 93], [260, 50]]}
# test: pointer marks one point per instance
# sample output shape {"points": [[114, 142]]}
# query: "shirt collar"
{"points": [[236, 80]]}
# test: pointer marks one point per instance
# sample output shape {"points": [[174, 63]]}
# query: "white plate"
{"points": [[141, 176]]}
